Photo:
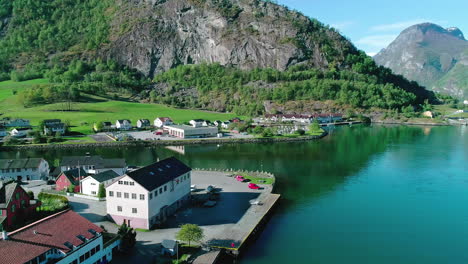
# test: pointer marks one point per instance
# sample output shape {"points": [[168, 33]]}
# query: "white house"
{"points": [[24, 169], [90, 184], [63, 238], [225, 124], [124, 124], [196, 122], [184, 131], [93, 164], [147, 196], [465, 102], [162, 121], [143, 123], [20, 132], [207, 123]]}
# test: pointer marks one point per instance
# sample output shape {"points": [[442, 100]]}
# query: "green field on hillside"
{"points": [[84, 114]]}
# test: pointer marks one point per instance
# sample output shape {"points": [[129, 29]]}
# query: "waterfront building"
{"points": [[16, 206], [147, 196], [124, 124], [163, 121], [184, 131], [90, 184], [143, 123], [24, 169], [63, 238], [93, 164]]}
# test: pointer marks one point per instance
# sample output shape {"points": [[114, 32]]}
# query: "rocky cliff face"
{"points": [[431, 55], [156, 35]]}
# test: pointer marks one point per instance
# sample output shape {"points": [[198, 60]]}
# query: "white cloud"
{"points": [[377, 41], [399, 26]]}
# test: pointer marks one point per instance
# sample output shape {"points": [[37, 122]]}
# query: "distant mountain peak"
{"points": [[456, 32]]}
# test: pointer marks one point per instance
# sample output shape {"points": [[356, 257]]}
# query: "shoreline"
{"points": [[164, 143]]}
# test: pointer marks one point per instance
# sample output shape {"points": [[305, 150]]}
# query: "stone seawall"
{"points": [[163, 143]]}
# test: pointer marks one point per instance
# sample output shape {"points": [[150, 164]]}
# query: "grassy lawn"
{"points": [[85, 114], [256, 179]]}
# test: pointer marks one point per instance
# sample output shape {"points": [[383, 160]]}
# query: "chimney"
{"points": [[4, 235]]}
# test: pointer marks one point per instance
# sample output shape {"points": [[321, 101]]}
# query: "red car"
{"points": [[240, 178], [254, 186]]}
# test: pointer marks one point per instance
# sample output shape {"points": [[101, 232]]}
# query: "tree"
{"points": [[267, 133], [189, 233], [101, 191], [71, 188], [128, 237], [258, 130], [98, 127], [314, 127], [300, 132]]}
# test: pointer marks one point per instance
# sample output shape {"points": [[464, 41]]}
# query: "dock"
{"points": [[234, 238]]}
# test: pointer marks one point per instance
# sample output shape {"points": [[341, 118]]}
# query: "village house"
{"points": [[54, 126], [147, 196], [24, 169], [106, 125], [93, 164], [15, 205], [143, 123], [18, 122], [90, 184], [63, 238], [196, 122], [207, 123], [160, 122], [184, 131], [20, 132], [217, 123], [124, 124], [225, 124], [70, 178]]}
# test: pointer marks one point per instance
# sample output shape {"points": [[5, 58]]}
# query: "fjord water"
{"points": [[377, 194]]}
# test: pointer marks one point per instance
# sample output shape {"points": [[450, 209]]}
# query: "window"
{"points": [[17, 196], [111, 194], [74, 262], [93, 183], [119, 194], [87, 255], [98, 247], [155, 193], [134, 196], [18, 170], [134, 210], [165, 188], [82, 258], [119, 208], [132, 183], [93, 192], [120, 182], [13, 207], [126, 195], [125, 182], [23, 203], [142, 196], [151, 196], [160, 190], [93, 251]]}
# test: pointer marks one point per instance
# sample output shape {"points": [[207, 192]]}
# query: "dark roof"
{"points": [[22, 128], [74, 175], [198, 120], [107, 123], [160, 173], [20, 163], [97, 161], [52, 121], [144, 121], [121, 121], [51, 232], [55, 125], [105, 176]]}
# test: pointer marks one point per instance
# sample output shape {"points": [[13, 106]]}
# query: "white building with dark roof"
{"points": [[24, 169], [90, 184], [162, 121], [124, 124], [147, 196]]}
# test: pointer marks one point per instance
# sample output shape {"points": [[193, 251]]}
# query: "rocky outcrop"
{"points": [[156, 35], [431, 55]]}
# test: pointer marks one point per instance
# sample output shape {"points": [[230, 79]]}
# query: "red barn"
{"points": [[15, 205], [71, 177]]}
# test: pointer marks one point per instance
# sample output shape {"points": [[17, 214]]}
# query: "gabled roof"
{"points": [[97, 161], [160, 173], [55, 125], [198, 120], [164, 119], [74, 175], [20, 163], [123, 120], [105, 176], [6, 193], [107, 123], [51, 232]]}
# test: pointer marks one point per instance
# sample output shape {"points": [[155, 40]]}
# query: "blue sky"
{"points": [[372, 25]]}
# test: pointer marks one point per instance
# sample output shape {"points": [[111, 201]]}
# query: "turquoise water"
{"points": [[361, 195]]}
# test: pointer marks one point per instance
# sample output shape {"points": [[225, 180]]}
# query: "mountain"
{"points": [[435, 57], [115, 44]]}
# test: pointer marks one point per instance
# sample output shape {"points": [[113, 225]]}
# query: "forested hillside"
{"points": [[224, 55]]}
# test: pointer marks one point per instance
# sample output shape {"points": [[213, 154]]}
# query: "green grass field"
{"points": [[84, 115]]}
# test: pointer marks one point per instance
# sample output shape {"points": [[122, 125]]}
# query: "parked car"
{"points": [[240, 178], [254, 186]]}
